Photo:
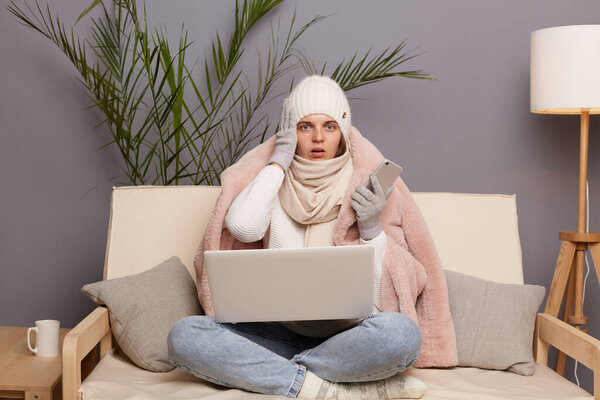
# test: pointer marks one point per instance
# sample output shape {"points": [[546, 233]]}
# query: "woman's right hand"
{"points": [[287, 138]]}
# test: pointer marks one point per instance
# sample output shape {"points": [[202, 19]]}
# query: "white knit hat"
{"points": [[319, 94]]}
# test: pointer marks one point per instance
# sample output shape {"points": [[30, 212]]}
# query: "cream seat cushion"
{"points": [[116, 377]]}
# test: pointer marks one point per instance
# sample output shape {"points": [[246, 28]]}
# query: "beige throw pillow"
{"points": [[494, 322], [144, 307]]}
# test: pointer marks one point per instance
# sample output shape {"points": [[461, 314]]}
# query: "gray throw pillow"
{"points": [[494, 322], [144, 307]]}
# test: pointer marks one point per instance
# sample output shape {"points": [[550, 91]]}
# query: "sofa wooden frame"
{"points": [[91, 339]]}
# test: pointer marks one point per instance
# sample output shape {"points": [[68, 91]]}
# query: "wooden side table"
{"points": [[23, 375]]}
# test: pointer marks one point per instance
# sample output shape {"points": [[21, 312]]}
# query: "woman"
{"points": [[295, 201]]}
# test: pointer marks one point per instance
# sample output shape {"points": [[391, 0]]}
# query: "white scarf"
{"points": [[312, 193]]}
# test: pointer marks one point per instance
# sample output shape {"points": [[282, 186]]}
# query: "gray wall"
{"points": [[470, 131]]}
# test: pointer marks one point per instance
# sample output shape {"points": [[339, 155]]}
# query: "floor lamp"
{"points": [[565, 79]]}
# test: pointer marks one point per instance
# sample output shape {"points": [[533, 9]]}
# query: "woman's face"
{"points": [[319, 137]]}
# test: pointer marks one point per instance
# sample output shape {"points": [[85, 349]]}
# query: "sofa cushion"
{"points": [[115, 377], [144, 307], [494, 322]]}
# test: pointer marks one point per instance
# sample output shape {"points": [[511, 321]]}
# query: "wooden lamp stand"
{"points": [[570, 264], [564, 80]]}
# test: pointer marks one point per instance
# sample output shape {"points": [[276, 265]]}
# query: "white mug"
{"points": [[47, 338]]}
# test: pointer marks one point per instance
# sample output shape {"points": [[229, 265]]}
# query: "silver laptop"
{"points": [[312, 283]]}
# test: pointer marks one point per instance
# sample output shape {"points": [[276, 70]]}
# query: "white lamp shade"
{"points": [[565, 70]]}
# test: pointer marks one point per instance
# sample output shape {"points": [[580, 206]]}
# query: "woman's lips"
{"points": [[317, 153]]}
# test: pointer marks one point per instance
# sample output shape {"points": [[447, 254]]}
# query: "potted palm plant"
{"points": [[168, 128]]}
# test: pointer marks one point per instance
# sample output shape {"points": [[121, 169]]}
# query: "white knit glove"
{"points": [[287, 139], [368, 206]]}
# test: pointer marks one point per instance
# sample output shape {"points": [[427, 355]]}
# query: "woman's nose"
{"points": [[318, 135]]}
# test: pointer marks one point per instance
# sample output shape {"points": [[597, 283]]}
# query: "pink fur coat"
{"points": [[412, 281]]}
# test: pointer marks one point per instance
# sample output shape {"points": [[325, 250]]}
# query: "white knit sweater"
{"points": [[256, 214]]}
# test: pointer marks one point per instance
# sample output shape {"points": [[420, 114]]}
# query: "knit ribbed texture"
{"points": [[250, 213], [394, 387], [282, 158], [380, 244], [318, 94], [370, 231]]}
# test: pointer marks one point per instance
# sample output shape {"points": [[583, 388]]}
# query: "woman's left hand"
{"points": [[368, 205]]}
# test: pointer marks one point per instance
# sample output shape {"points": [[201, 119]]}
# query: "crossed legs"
{"points": [[268, 358]]}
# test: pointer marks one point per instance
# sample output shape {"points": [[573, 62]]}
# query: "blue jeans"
{"points": [[268, 358]]}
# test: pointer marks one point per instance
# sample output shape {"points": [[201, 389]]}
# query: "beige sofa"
{"points": [[475, 234]]}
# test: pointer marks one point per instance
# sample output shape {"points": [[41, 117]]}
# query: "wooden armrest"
{"points": [[79, 342], [571, 341]]}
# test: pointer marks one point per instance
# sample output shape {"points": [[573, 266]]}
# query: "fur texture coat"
{"points": [[412, 281]]}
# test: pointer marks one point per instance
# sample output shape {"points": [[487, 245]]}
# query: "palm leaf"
{"points": [[90, 8], [138, 82], [365, 70]]}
